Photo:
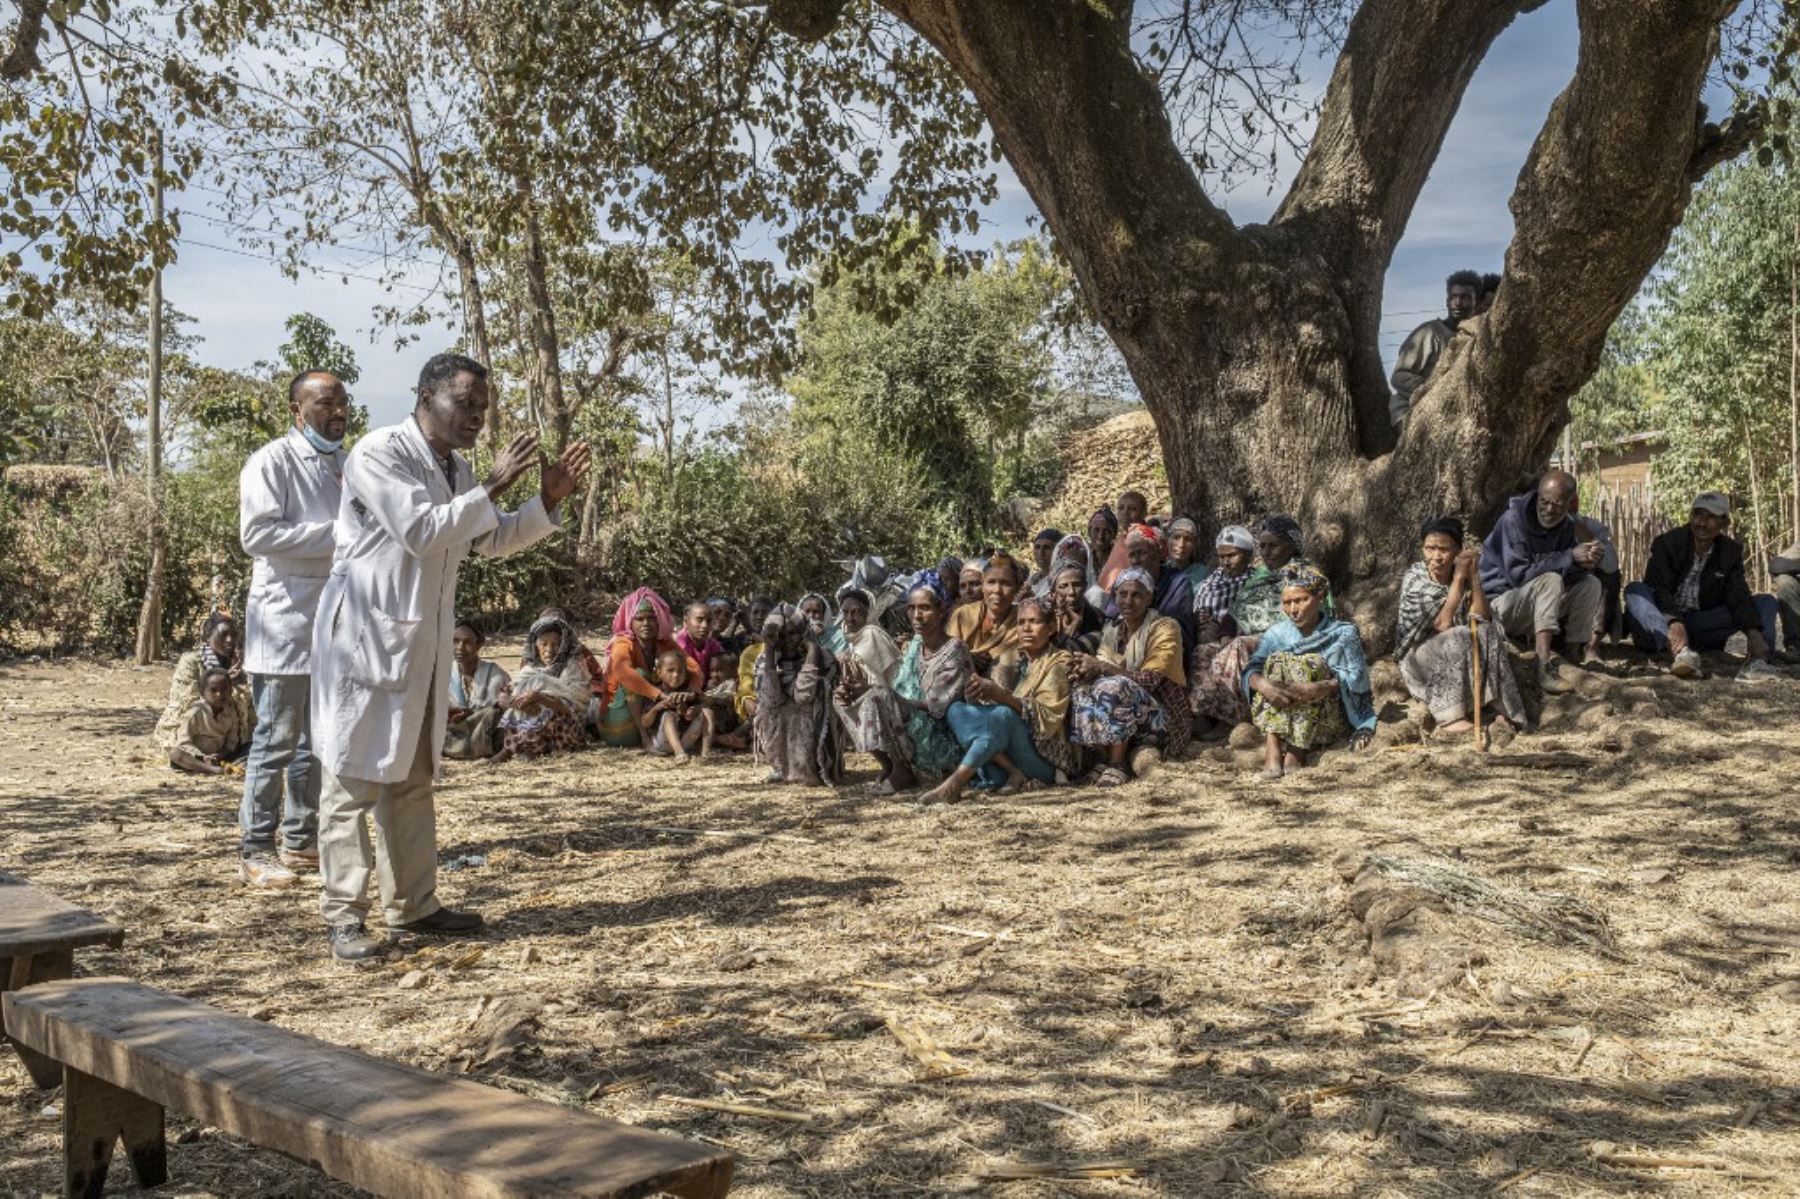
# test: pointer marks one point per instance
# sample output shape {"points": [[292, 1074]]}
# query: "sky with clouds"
{"points": [[241, 300]]}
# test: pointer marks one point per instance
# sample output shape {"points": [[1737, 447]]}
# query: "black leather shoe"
{"points": [[445, 921], [352, 942]]}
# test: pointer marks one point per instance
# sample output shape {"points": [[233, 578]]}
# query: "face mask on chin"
{"points": [[319, 441]]}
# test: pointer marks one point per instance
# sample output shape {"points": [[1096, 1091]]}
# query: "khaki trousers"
{"points": [[405, 859], [1548, 605]]}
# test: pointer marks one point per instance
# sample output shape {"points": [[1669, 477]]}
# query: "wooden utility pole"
{"points": [[149, 632]]}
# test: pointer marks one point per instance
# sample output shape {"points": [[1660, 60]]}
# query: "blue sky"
{"points": [[240, 302]]}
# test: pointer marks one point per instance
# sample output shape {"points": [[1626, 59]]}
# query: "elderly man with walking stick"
{"points": [[412, 511]]}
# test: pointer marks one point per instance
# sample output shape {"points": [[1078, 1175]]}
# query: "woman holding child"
{"points": [[643, 629], [221, 648]]}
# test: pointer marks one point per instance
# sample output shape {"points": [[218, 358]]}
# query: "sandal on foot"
{"points": [[1111, 776]]}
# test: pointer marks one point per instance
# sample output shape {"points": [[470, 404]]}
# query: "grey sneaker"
{"points": [[1687, 665], [1757, 671], [352, 942], [1553, 676], [262, 870]]}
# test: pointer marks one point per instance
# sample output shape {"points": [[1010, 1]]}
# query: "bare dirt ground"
{"points": [[1168, 978]]}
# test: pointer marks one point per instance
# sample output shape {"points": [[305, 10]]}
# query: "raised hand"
{"points": [[565, 474], [519, 456]]}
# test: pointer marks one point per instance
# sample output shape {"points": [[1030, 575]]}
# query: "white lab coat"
{"points": [[381, 647], [288, 497]]}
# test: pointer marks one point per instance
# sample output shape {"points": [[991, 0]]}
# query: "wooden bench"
{"points": [[128, 1052], [39, 935]]}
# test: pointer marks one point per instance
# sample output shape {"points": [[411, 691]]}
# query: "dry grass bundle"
{"points": [[1553, 917]]}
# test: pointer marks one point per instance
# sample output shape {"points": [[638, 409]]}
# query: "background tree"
{"points": [[1707, 357], [1256, 348]]}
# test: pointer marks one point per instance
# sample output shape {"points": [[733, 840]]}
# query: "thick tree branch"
{"points": [[1396, 87], [808, 20], [22, 59], [1607, 181], [1724, 142]]}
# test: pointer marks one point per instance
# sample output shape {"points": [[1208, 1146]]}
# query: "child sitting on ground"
{"points": [[213, 736], [678, 720], [720, 698]]}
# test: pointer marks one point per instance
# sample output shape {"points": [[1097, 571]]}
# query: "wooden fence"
{"points": [[1631, 513]]}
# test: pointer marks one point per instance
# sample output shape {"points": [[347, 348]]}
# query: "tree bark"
{"points": [[1255, 348], [548, 353]]}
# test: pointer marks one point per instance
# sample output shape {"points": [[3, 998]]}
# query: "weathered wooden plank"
{"points": [[386, 1127], [28, 970], [33, 921], [96, 1116]]}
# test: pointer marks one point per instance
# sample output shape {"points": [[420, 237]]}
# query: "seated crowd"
{"points": [[1096, 660]]}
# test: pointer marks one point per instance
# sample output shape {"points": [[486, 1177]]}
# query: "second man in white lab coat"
{"points": [[412, 511], [288, 496]]}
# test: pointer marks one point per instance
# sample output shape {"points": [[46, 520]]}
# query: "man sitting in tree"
{"points": [[1419, 353]]}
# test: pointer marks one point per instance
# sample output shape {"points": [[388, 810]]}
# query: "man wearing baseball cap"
{"points": [[1694, 595]]}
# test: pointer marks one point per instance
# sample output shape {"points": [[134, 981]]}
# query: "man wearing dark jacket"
{"points": [[1694, 596], [1537, 568]]}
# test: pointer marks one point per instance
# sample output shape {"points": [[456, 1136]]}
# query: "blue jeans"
{"points": [[987, 730], [1707, 628], [280, 751]]}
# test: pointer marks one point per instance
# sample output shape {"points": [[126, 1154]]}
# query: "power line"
{"points": [[330, 269]]}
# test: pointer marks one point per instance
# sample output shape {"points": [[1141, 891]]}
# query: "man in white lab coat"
{"points": [[412, 512], [288, 496]]}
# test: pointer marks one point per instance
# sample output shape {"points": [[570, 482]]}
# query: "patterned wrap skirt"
{"points": [[1304, 726]]}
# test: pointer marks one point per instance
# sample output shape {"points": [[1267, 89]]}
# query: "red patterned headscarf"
{"points": [[629, 607]]}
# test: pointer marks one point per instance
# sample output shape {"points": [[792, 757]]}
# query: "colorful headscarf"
{"points": [[1134, 574], [1305, 574], [1237, 537], [929, 580], [1144, 533], [632, 604], [1285, 526]]}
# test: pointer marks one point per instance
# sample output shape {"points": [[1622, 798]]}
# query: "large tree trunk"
{"points": [[1256, 348]]}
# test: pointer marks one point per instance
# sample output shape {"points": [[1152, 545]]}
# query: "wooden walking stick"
{"points": [[1475, 651]]}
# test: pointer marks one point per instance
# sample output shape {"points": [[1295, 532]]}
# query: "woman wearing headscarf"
{"points": [[990, 628], [1077, 622], [1439, 595], [1183, 541], [1014, 739], [1133, 694], [549, 696], [820, 622], [934, 673], [864, 698], [642, 629], [1070, 550], [221, 648], [1171, 593], [1218, 688], [1308, 681], [968, 582], [794, 677]]}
